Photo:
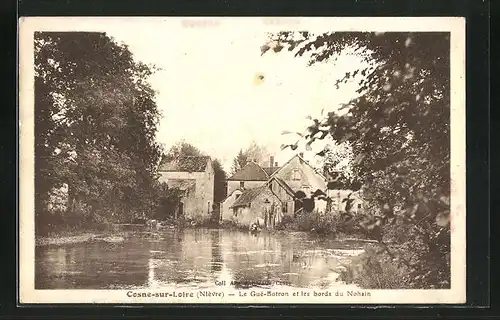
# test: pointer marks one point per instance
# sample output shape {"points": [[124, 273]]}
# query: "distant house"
{"points": [[257, 205], [194, 176], [341, 195], [288, 184], [299, 175], [340, 198], [250, 176]]}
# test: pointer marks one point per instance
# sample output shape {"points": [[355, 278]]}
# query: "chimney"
{"points": [[301, 154], [276, 164], [271, 161]]}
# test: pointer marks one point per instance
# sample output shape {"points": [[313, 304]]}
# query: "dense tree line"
{"points": [[95, 126], [398, 128]]}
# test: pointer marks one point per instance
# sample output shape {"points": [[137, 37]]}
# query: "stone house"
{"points": [[288, 184], [284, 193], [195, 177], [299, 175], [252, 175], [257, 205]]}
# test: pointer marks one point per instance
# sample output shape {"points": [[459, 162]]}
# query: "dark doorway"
{"points": [[180, 210], [299, 201]]}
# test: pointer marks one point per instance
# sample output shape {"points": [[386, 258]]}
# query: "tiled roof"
{"points": [[270, 170], [248, 196], [181, 184], [185, 164], [250, 172]]}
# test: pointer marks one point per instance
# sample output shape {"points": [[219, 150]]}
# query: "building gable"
{"points": [[298, 173]]}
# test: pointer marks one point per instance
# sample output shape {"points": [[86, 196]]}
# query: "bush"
{"points": [[406, 258], [329, 223], [286, 223], [373, 271], [317, 222]]}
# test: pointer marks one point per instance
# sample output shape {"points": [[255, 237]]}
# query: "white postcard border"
{"points": [[454, 25]]}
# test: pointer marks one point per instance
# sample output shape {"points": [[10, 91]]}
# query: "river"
{"points": [[194, 258]]}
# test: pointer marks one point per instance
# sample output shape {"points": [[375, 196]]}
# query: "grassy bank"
{"points": [[59, 234], [331, 226], [324, 224], [80, 237]]}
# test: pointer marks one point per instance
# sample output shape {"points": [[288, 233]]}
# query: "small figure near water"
{"points": [[156, 225], [255, 228]]}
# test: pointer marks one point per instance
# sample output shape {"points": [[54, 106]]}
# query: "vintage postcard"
{"points": [[254, 160]]}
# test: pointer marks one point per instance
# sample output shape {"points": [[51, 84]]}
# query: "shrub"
{"points": [[318, 222], [372, 270], [287, 223]]}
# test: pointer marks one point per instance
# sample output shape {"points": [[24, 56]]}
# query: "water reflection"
{"points": [[217, 262], [196, 258]]}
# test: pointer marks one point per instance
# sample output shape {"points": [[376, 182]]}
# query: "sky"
{"points": [[208, 95]]}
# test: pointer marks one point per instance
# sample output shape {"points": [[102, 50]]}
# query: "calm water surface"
{"points": [[198, 258]]}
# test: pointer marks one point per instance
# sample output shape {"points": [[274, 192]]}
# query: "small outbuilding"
{"points": [[258, 205]]}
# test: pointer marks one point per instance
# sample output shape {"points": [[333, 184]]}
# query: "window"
{"points": [[295, 175], [242, 184], [359, 205]]}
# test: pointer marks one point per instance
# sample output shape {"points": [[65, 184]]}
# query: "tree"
{"points": [[337, 163], [257, 153], [398, 127], [220, 187], [95, 125], [168, 200], [239, 161], [183, 149]]}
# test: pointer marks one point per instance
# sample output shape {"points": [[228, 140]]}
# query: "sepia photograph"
{"points": [[242, 160]]}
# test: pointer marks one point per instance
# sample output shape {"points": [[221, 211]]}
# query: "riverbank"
{"points": [[85, 237], [117, 233], [110, 234], [323, 226]]}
